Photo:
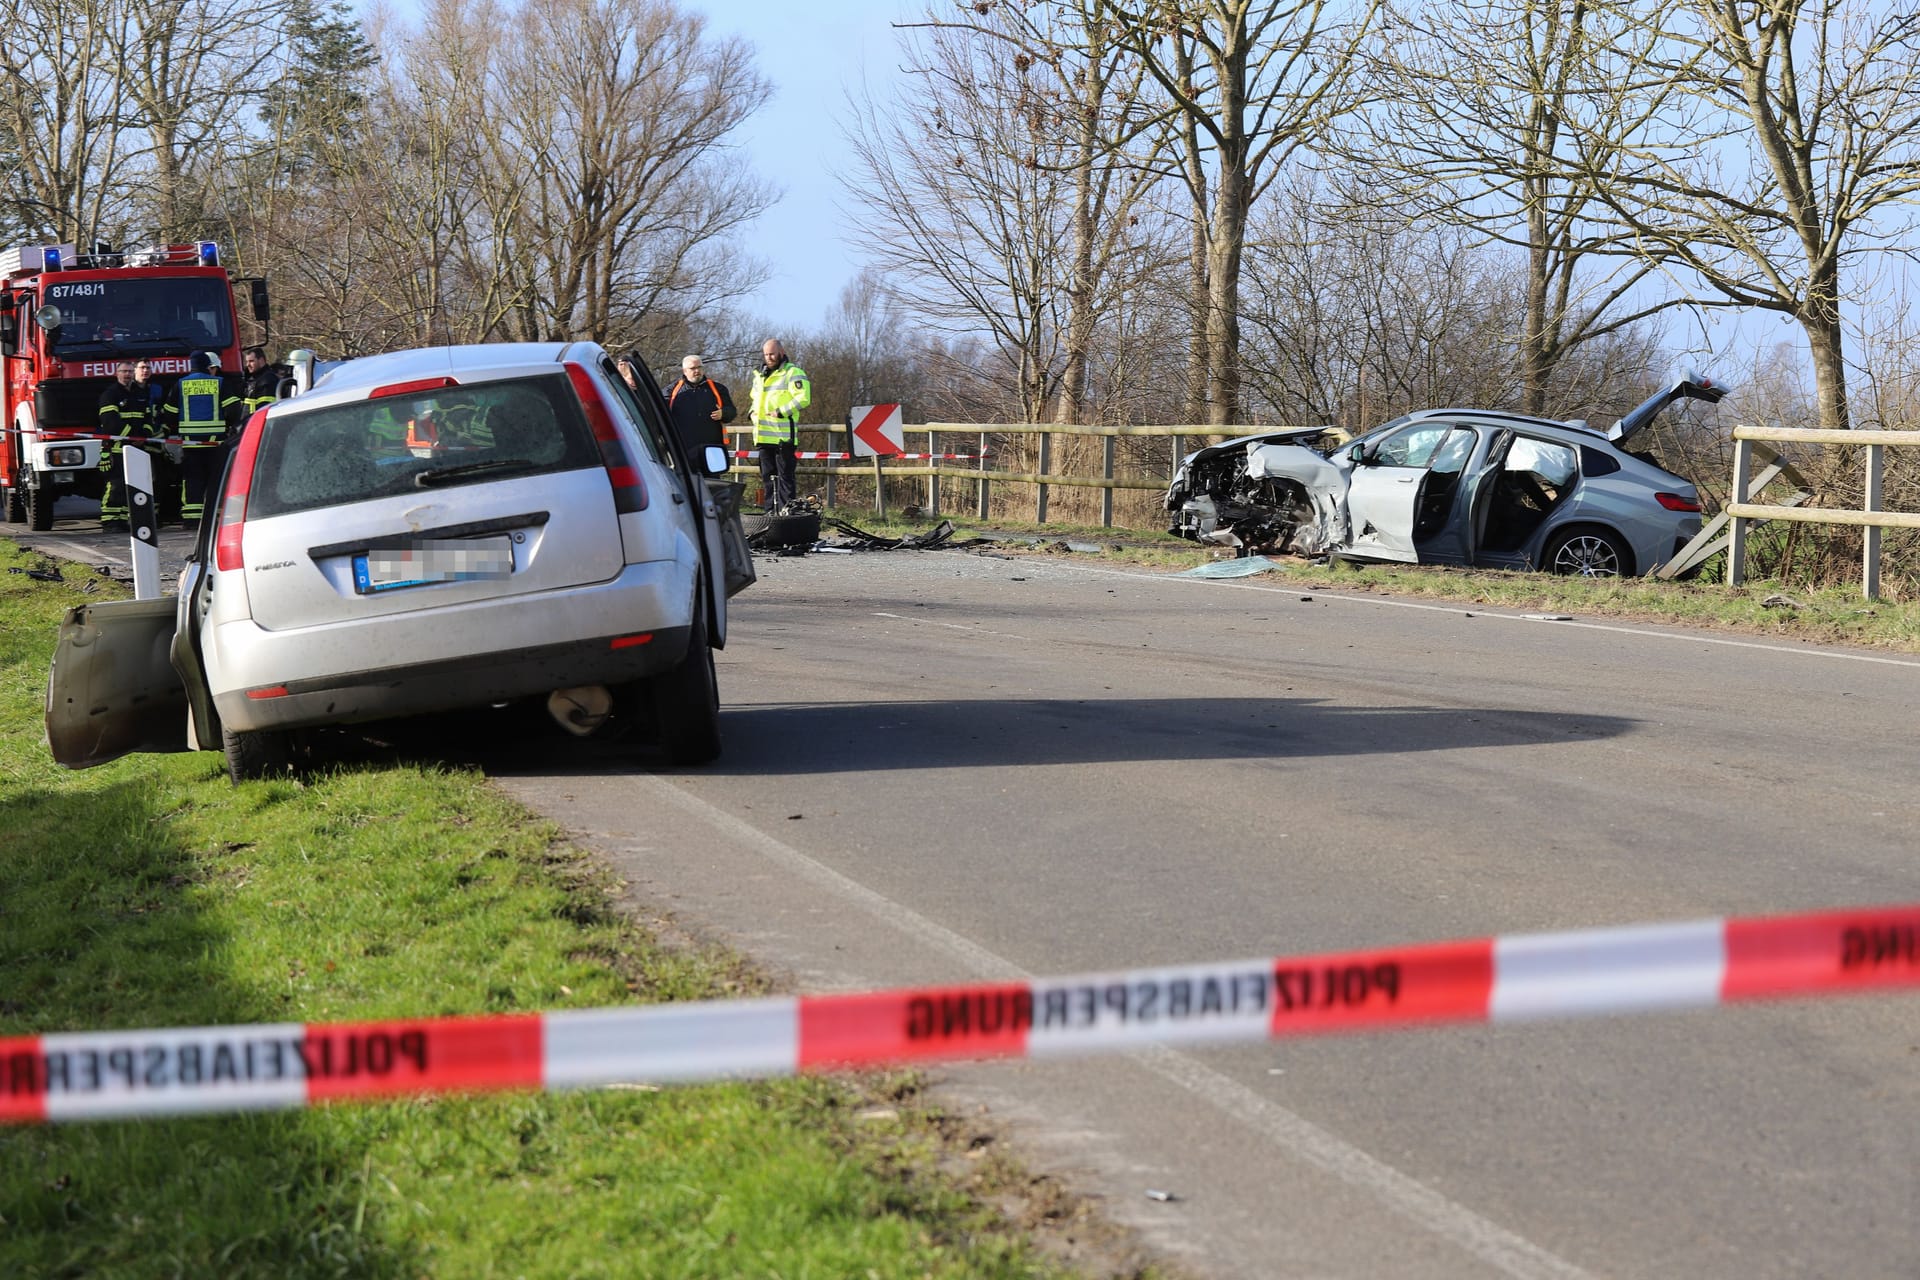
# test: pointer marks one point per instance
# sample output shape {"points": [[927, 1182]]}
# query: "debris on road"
{"points": [[1164, 1197], [1245, 567]]}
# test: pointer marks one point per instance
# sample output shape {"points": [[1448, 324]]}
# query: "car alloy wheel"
{"points": [[1587, 555]]}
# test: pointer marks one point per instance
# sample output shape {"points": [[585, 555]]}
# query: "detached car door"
{"points": [[112, 689]]}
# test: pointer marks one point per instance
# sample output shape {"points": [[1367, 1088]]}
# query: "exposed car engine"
{"points": [[1227, 496]]}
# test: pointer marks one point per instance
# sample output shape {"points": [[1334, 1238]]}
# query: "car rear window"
{"points": [[411, 444]]}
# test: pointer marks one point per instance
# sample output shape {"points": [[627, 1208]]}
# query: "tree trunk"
{"points": [[1820, 318], [1228, 241]]}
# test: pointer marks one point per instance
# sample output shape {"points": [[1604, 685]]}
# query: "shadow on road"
{"points": [[771, 741]]}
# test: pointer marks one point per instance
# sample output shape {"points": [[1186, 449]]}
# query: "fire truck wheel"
{"points": [[16, 507], [40, 508]]}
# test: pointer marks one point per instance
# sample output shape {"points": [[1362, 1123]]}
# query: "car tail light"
{"points": [[629, 489], [232, 515], [1674, 502], [419, 386]]}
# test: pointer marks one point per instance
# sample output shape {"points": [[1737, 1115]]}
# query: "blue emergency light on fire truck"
{"points": [[67, 318]]}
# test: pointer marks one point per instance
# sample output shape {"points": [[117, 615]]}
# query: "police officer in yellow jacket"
{"points": [[199, 411], [780, 391]]}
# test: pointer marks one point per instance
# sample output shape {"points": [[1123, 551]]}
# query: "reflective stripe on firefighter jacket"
{"points": [[258, 390], [778, 398], [123, 415], [198, 410]]}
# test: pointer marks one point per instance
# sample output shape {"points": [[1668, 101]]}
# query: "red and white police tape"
{"points": [[834, 455], [112, 1074]]}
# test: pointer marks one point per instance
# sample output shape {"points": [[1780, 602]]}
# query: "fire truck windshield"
{"points": [[141, 312]]}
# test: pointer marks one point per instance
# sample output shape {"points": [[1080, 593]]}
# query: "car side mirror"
{"points": [[1357, 455], [714, 459]]}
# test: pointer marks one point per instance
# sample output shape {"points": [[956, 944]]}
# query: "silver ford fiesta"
{"points": [[420, 532]]}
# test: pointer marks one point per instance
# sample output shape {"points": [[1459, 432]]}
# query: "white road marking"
{"points": [[1298, 1137], [1481, 611]]}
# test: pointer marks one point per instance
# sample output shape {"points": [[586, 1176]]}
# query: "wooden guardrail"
{"points": [[1870, 517], [981, 476]]}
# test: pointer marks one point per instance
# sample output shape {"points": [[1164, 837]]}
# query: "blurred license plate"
{"points": [[459, 560]]}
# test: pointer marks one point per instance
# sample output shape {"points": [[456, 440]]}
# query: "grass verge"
{"points": [[151, 893]]}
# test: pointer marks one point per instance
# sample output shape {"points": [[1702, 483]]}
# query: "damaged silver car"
{"points": [[1449, 486]]}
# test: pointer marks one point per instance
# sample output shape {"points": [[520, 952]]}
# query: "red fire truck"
{"points": [[66, 319]]}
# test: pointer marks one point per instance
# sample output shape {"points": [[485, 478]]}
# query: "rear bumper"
{"points": [[443, 659], [447, 685]]}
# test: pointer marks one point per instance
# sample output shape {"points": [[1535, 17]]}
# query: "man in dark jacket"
{"points": [[125, 419], [259, 382], [700, 408]]}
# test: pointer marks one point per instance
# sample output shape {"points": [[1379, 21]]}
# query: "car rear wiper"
{"points": [[446, 475]]}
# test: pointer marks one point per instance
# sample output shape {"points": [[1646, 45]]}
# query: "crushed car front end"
{"points": [[1273, 492]]}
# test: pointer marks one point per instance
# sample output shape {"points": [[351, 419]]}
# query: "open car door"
{"points": [[1381, 503], [1481, 486], [112, 689]]}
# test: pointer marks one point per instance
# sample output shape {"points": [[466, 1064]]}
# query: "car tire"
{"points": [[39, 503], [1587, 551], [16, 506], [251, 757], [686, 700]]}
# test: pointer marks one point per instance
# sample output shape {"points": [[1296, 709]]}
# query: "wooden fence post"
{"points": [[1106, 472], [980, 464], [1046, 466], [1737, 526], [933, 481], [1870, 542]]}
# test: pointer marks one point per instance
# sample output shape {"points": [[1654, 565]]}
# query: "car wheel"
{"points": [[39, 502], [686, 700], [16, 506], [264, 753], [1588, 553]]}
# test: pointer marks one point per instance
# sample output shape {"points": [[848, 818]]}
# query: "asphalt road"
{"points": [[942, 767]]}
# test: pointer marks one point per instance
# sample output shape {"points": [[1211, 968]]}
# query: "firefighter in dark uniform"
{"points": [[259, 382], [166, 472], [124, 418], [201, 412]]}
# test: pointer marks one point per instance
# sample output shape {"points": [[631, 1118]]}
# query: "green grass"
{"points": [[150, 893]]}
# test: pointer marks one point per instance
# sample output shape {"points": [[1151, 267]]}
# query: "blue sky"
{"points": [[813, 53]]}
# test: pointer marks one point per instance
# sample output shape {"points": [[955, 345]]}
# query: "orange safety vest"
{"points": [[681, 385]]}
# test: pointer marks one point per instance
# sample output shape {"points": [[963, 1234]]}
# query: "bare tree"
{"points": [[190, 71], [62, 103], [962, 216], [602, 175], [1249, 82], [1473, 124], [1784, 144]]}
